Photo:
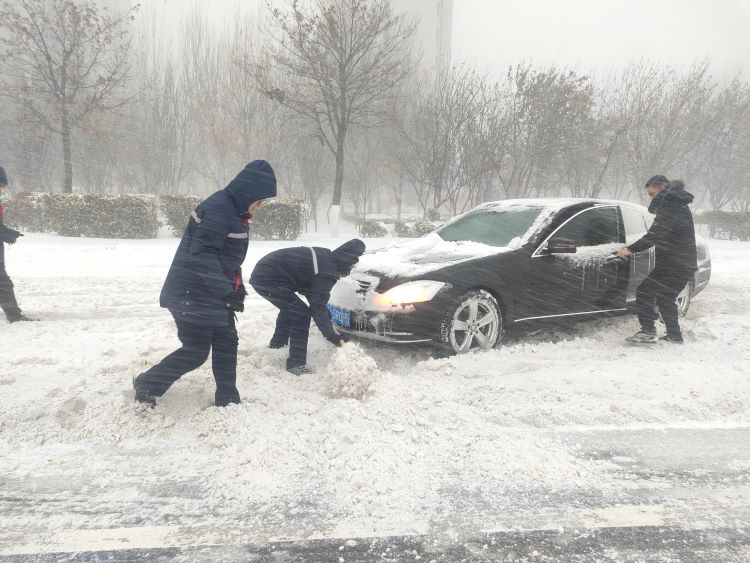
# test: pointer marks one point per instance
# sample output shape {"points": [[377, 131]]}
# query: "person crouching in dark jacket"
{"points": [[8, 302], [309, 271], [672, 235], [204, 288]]}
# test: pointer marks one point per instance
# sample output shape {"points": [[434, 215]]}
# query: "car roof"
{"points": [[553, 202]]}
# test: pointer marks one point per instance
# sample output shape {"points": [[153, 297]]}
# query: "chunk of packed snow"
{"points": [[351, 373]]}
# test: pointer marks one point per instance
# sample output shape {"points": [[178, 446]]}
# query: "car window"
{"points": [[496, 227], [591, 228], [634, 222]]}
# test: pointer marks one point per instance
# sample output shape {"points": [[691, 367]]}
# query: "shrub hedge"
{"points": [[278, 219], [412, 230], [176, 209], [136, 216], [730, 225], [372, 229]]}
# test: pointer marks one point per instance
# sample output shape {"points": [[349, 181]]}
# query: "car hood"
{"points": [[427, 254]]}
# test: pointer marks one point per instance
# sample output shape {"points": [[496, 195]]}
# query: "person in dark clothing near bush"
{"points": [[8, 302], [204, 288], [673, 236], [309, 271]]}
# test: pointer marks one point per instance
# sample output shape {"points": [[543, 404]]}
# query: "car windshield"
{"points": [[493, 226]]}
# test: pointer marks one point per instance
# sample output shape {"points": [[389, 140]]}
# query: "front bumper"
{"points": [[395, 328]]}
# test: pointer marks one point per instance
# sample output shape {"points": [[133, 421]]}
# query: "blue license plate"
{"points": [[340, 316]]}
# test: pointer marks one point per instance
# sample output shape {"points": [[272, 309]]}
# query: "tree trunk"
{"points": [[399, 197], [67, 158], [337, 185]]}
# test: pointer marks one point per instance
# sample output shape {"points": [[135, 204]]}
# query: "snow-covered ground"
{"points": [[296, 457]]}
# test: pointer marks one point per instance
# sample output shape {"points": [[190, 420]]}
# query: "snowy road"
{"points": [[565, 440]]}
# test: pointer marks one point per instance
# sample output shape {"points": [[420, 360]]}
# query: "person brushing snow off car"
{"points": [[672, 234], [309, 271], [204, 288]]}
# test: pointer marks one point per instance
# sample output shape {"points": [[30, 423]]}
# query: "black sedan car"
{"points": [[499, 265]]}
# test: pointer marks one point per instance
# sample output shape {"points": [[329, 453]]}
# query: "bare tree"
{"points": [[435, 129], [340, 61], [724, 167], [545, 109], [669, 117], [367, 169], [65, 60], [310, 171]]}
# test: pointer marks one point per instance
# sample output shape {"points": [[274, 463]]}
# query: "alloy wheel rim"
{"points": [[475, 322], [683, 299]]}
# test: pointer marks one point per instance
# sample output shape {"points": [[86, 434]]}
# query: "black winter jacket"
{"points": [[309, 271], [208, 260], [7, 235], [672, 232]]}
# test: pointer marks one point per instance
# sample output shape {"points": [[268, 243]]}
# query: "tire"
{"points": [[473, 321], [684, 298]]}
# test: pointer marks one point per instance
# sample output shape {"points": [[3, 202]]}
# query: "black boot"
{"points": [[20, 317], [143, 396]]}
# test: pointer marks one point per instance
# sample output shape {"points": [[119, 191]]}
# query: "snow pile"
{"points": [[351, 373]]}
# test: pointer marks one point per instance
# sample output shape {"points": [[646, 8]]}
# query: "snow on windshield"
{"points": [[426, 254], [485, 230]]}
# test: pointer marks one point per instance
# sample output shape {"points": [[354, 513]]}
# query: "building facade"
{"points": [[435, 29]]}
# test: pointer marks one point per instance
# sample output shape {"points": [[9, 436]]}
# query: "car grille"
{"points": [[364, 286]]}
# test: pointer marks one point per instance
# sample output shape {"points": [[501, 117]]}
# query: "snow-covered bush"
{"points": [[432, 215], [66, 214], [130, 216], [28, 211], [403, 230], [176, 210], [372, 229], [731, 225], [423, 227], [90, 215], [278, 219]]}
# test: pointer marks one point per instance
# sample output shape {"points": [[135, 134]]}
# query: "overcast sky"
{"points": [[588, 34], [602, 33]]}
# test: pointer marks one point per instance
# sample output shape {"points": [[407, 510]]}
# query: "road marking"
{"points": [[165, 537]]}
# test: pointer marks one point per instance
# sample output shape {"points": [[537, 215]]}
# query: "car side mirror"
{"points": [[561, 246]]}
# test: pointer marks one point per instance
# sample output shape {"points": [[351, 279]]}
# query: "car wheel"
{"points": [[473, 321], [684, 298]]}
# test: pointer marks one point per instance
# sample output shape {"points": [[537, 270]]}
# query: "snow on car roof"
{"points": [[544, 202]]}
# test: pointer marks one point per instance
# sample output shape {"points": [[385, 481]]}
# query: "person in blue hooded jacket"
{"points": [[310, 271], [204, 288]]}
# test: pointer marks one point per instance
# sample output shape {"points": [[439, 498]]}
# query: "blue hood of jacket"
{"points": [[256, 181]]}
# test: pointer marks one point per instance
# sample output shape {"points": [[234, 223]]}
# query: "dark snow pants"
{"points": [[660, 289], [292, 324], [197, 341], [8, 302]]}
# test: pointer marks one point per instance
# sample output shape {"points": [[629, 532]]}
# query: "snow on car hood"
{"points": [[426, 254]]}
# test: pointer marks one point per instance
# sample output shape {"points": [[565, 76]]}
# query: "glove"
{"points": [[9, 235], [236, 300], [338, 338]]}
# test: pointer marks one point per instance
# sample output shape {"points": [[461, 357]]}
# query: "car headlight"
{"points": [[409, 292]]}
